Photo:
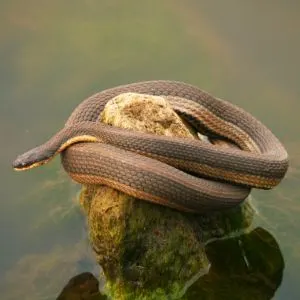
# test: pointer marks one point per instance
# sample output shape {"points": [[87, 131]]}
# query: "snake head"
{"points": [[32, 158]]}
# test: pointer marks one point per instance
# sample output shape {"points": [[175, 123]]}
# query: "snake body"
{"points": [[152, 167]]}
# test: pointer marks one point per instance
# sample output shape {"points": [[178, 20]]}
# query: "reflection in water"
{"points": [[248, 267], [245, 267]]}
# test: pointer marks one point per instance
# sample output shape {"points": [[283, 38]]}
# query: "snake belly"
{"points": [[159, 168]]}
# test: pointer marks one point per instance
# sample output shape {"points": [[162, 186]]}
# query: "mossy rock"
{"points": [[148, 251]]}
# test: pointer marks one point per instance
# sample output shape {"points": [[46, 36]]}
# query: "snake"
{"points": [[183, 174]]}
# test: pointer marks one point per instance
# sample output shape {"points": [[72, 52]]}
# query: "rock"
{"points": [[84, 286], [248, 266], [148, 251], [145, 113]]}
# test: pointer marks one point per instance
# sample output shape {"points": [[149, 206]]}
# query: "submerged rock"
{"points": [[148, 251], [82, 286]]}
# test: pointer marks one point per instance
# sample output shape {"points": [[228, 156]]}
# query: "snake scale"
{"points": [[164, 169]]}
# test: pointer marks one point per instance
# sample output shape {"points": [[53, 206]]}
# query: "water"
{"points": [[54, 54]]}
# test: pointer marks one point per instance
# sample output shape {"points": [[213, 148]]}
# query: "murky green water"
{"points": [[55, 53]]}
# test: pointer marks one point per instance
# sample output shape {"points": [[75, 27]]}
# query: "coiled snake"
{"points": [[147, 166]]}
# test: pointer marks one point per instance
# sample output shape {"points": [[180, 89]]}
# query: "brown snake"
{"points": [[147, 166]]}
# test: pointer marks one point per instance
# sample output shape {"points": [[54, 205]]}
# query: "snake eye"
{"points": [[18, 163]]}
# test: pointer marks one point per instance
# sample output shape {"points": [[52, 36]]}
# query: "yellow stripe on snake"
{"points": [[96, 153]]}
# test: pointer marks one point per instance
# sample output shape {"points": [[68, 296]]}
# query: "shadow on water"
{"points": [[246, 267]]}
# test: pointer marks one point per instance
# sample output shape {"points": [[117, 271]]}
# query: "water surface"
{"points": [[55, 53]]}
